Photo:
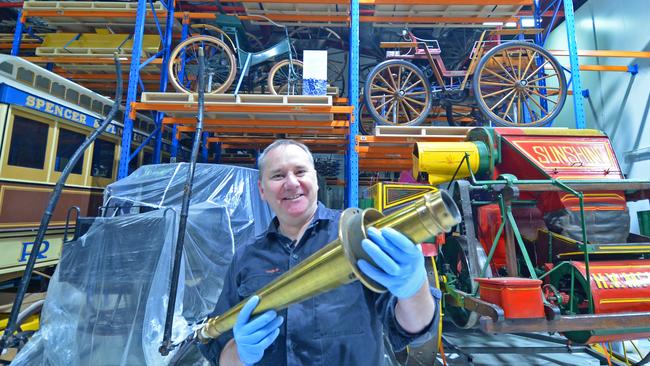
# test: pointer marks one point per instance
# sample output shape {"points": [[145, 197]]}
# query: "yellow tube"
{"points": [[441, 159]]}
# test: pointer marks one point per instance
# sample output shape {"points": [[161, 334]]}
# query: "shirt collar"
{"points": [[322, 214]]}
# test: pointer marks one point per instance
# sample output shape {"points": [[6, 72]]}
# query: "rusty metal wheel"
{"points": [[519, 84], [397, 93], [220, 65], [285, 79]]}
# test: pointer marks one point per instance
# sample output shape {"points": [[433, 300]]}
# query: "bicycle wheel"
{"points": [[220, 65], [519, 84], [397, 93], [282, 81], [213, 31]]}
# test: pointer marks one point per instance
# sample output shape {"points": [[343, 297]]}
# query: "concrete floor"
{"points": [[473, 347]]}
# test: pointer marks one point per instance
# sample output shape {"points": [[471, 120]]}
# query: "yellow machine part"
{"points": [[387, 196], [440, 160], [102, 39], [31, 323]]}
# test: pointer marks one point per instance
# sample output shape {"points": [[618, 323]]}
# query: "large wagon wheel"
{"points": [[519, 84], [397, 93], [282, 81], [220, 65]]}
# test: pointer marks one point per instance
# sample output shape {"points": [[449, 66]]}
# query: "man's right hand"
{"points": [[254, 336]]}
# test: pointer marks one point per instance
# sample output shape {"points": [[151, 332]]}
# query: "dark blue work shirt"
{"points": [[340, 327]]}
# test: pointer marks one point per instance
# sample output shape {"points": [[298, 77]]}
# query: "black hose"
{"points": [[8, 339], [166, 345]]}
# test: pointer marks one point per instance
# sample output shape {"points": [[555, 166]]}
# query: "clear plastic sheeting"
{"points": [[106, 304]]}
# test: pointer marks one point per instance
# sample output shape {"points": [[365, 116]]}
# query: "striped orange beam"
{"points": [[404, 151], [93, 76], [26, 46], [617, 68], [253, 130], [255, 146], [87, 14], [84, 60], [282, 109], [258, 122], [376, 19], [406, 140], [261, 140], [385, 165], [604, 53]]}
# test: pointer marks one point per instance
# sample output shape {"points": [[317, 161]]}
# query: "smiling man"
{"points": [[344, 326]]}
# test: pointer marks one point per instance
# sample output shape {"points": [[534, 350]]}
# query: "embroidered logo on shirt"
{"points": [[273, 270]]}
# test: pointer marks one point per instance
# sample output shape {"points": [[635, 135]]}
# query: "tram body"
{"points": [[43, 119]]}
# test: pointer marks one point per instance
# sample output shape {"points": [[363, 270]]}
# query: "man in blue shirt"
{"points": [[344, 326]]}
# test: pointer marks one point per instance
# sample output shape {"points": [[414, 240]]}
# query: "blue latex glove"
{"points": [[254, 336], [401, 263]]}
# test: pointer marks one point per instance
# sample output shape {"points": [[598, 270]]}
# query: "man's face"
{"points": [[289, 185]]}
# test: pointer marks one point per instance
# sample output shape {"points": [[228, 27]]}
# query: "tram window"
{"points": [[72, 96], [103, 158], [25, 76], [133, 164], [97, 107], [7, 67], [43, 83], [58, 90], [107, 110], [85, 101], [147, 158], [68, 143], [28, 143]]}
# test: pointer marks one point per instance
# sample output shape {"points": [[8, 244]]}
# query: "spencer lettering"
{"points": [[53, 109]]}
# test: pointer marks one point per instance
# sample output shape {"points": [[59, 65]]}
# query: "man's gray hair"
{"points": [[261, 160]]}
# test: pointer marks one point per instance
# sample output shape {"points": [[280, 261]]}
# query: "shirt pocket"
{"points": [[343, 311], [252, 284]]}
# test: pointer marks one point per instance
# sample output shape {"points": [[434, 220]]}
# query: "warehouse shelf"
{"points": [[275, 120], [252, 121], [391, 150], [428, 13], [86, 16]]}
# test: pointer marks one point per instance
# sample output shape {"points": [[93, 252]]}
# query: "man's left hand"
{"points": [[400, 263]]}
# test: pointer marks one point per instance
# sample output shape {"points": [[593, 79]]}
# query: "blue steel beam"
{"points": [[167, 44], [578, 102], [132, 92], [185, 32], [18, 34], [352, 161]]}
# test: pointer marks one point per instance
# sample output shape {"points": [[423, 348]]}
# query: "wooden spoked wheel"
{"points": [[397, 93], [220, 65], [519, 84], [214, 31], [285, 80], [366, 123]]}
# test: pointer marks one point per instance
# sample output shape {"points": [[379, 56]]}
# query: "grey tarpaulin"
{"points": [[107, 300]]}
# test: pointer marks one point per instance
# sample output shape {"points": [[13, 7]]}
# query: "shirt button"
{"points": [[295, 256]]}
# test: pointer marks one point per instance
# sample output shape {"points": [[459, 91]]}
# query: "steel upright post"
{"points": [[352, 162], [18, 34], [578, 102], [132, 92], [164, 78]]}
